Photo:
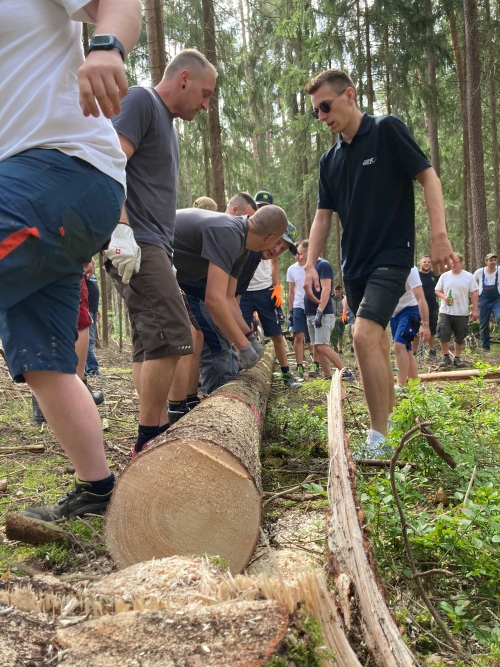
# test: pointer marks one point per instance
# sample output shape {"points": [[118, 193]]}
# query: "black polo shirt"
{"points": [[429, 282], [369, 183]]}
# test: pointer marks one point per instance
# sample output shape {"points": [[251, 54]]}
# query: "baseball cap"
{"points": [[206, 202], [489, 256], [263, 197], [291, 237]]}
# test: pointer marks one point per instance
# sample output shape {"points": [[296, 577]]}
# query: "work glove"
{"points": [[256, 345], [277, 296], [124, 253], [248, 357], [344, 317], [317, 318]]}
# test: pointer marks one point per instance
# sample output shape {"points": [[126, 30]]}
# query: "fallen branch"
{"points": [[19, 449], [435, 444], [35, 531], [381, 463], [458, 376]]}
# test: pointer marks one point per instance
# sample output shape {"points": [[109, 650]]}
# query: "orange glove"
{"points": [[344, 317], [277, 296]]}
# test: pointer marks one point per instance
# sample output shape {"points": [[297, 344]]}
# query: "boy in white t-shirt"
{"points": [[62, 185], [488, 281], [454, 289]]}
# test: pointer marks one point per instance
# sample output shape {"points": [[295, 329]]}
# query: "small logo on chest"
{"points": [[370, 160]]}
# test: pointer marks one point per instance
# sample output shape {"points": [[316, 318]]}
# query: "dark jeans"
{"points": [[485, 310], [92, 365]]}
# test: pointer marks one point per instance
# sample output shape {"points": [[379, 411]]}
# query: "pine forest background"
{"points": [[431, 63]]}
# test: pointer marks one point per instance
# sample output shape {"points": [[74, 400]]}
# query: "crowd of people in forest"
{"points": [[89, 165]]}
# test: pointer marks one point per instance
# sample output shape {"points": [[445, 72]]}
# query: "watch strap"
{"points": [[113, 44]]}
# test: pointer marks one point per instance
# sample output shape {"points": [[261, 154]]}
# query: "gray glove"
{"points": [[256, 345], [317, 319], [248, 358]]}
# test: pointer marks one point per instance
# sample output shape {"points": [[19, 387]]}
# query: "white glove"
{"points": [[124, 253]]}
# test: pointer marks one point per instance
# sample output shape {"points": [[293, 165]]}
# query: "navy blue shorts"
{"points": [[405, 326], [56, 212], [300, 321], [260, 301]]}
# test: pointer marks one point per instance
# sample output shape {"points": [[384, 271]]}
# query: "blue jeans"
{"points": [[56, 212], [486, 308], [92, 365]]}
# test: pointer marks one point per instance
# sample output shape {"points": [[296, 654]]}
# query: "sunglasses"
{"points": [[325, 107]]}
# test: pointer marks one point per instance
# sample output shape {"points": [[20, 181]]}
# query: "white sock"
{"points": [[375, 436]]}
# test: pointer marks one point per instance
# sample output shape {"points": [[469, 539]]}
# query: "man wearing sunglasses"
{"points": [[367, 178]]}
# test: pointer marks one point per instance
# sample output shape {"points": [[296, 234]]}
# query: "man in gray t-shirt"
{"points": [[161, 331]]}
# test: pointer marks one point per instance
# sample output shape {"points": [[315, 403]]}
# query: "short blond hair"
{"points": [[335, 78]]}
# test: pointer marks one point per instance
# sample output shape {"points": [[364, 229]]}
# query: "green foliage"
{"points": [[303, 429]]}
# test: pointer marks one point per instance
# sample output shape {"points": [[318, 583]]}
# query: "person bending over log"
{"points": [[62, 184], [215, 246], [367, 178], [161, 331]]}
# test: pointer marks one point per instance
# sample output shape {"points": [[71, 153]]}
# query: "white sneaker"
{"points": [[375, 443]]}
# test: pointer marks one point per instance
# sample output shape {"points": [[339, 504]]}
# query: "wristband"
{"points": [[250, 334]]}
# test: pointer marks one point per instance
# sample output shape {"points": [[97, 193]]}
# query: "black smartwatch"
{"points": [[106, 43]]}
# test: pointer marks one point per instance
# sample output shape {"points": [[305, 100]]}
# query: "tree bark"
{"points": [[153, 13], [104, 301], [369, 79], [432, 107], [476, 152], [251, 112], [360, 53], [213, 111], [199, 484], [495, 158], [349, 555]]}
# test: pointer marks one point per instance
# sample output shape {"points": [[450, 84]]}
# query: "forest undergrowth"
{"points": [[453, 524]]}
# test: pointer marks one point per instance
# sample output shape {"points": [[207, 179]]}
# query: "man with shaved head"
{"points": [[161, 331]]}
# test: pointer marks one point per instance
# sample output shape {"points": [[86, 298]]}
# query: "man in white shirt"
{"points": [[411, 317], [489, 297], [62, 185], [295, 277], [454, 288]]}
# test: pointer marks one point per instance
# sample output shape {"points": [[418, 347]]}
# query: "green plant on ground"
{"points": [[303, 429]]}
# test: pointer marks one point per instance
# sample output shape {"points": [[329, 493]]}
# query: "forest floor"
{"points": [[448, 531]]}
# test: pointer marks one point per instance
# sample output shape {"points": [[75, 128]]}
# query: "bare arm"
{"points": [[474, 297], [101, 78], [441, 250], [317, 240], [275, 270], [326, 289], [235, 306], [128, 148], [291, 296], [423, 309], [443, 296], [219, 308]]}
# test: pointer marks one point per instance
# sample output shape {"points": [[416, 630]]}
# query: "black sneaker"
{"points": [[458, 363], [432, 354], [175, 415], [446, 363], [38, 416], [290, 381], [347, 376], [76, 503], [97, 395]]}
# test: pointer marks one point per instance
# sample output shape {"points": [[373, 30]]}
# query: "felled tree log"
{"points": [[242, 634], [457, 376], [349, 552], [197, 489]]}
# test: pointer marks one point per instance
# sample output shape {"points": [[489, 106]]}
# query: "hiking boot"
{"points": [[97, 395], [446, 363], [313, 370], [290, 381], [38, 416], [347, 376], [76, 503], [432, 354], [458, 363], [300, 371]]}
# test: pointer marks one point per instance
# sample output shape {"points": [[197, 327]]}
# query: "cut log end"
{"points": [[184, 498]]}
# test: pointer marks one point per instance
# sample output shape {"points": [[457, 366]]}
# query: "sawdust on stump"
{"points": [[26, 638], [242, 634]]}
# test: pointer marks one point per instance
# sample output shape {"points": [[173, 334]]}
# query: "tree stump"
{"points": [[197, 489]]}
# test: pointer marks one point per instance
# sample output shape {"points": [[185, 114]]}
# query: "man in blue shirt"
{"points": [[367, 178]]}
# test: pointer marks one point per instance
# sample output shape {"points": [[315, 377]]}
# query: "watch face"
{"points": [[102, 40]]}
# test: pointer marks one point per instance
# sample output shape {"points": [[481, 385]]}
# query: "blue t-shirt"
{"points": [[324, 270]]}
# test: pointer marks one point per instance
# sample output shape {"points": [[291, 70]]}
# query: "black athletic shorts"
{"points": [[433, 320], [376, 295]]}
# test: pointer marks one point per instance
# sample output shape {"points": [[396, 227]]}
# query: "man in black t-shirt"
{"points": [[429, 282], [367, 178]]}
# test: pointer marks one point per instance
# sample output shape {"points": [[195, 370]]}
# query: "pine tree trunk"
{"points": [[206, 163], [493, 120], [189, 194], [369, 78], [153, 13], [387, 71], [213, 112], [432, 107], [360, 53], [251, 112], [476, 152]]}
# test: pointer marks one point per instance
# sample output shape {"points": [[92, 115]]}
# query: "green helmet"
{"points": [[263, 197], [291, 237]]}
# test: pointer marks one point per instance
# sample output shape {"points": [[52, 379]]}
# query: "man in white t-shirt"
{"points": [[295, 277], [454, 289], [489, 297], [62, 185], [411, 317]]}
